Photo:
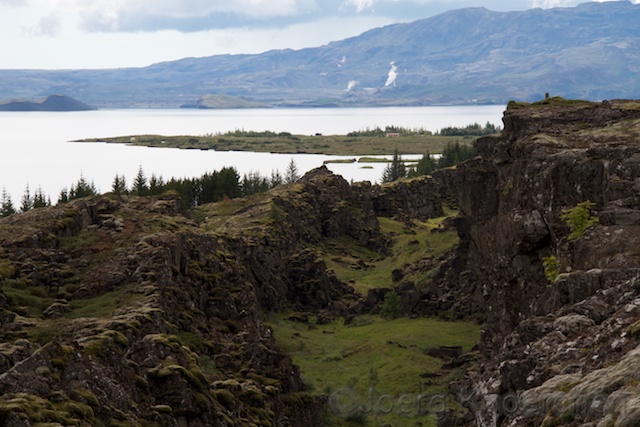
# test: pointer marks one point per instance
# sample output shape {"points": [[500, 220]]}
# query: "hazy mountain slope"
{"points": [[590, 51]]}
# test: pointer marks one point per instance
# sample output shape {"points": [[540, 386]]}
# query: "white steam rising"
{"points": [[351, 85], [393, 74]]}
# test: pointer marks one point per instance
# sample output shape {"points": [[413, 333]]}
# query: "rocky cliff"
{"points": [[127, 311], [560, 305]]}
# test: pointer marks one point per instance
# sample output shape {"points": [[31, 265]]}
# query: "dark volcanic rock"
{"points": [[123, 309], [545, 341]]}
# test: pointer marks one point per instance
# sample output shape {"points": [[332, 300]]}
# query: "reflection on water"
{"points": [[36, 150]]}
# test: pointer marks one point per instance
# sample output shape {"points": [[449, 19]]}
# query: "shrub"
{"points": [[391, 306], [579, 218]]}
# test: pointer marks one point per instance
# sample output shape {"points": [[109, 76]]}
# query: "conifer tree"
{"points": [[6, 205], [39, 199], [425, 166], [396, 169], [276, 178], [156, 184], [63, 197], [140, 187], [119, 185], [27, 200], [82, 189], [291, 174]]}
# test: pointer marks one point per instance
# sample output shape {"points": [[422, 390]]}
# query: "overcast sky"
{"points": [[55, 34]]}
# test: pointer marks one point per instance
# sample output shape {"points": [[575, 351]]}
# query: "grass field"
{"points": [[365, 269], [376, 371]]}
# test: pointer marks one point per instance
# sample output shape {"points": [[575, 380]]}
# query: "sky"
{"points": [[83, 34]]}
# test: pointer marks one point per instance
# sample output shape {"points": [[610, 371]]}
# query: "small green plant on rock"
{"points": [[551, 266], [579, 218]]}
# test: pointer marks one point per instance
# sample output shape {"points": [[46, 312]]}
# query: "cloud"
{"points": [[192, 15], [360, 5], [48, 26], [132, 16], [136, 16]]}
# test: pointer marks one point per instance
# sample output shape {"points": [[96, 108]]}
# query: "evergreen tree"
{"points": [[425, 166], [292, 174], [396, 169], [140, 187], [156, 184], [6, 205], [229, 182], [276, 179], [253, 183], [39, 199], [455, 153], [27, 200], [82, 189], [119, 185], [63, 197]]}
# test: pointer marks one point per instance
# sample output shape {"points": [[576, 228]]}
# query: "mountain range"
{"points": [[465, 56]]}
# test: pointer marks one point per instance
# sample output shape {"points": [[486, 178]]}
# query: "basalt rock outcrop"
{"points": [[127, 311], [560, 340]]}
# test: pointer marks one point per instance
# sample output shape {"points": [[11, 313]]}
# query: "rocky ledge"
{"points": [[550, 231]]}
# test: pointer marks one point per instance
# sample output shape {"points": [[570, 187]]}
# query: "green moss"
{"points": [[7, 269], [634, 329], [40, 411], [167, 368], [555, 421], [98, 345], [141, 382], [225, 397], [87, 396], [551, 268], [163, 409], [507, 187]]}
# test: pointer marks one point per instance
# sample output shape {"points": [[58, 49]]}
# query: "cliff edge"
{"points": [[550, 231]]}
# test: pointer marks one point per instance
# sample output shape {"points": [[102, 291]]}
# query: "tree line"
{"points": [[474, 129], [453, 153], [210, 187]]}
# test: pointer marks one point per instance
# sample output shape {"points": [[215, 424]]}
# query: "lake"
{"points": [[36, 148]]}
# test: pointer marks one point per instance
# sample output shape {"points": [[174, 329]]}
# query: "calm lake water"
{"points": [[36, 148]]}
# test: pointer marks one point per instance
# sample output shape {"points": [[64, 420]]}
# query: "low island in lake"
{"points": [[50, 103], [367, 142]]}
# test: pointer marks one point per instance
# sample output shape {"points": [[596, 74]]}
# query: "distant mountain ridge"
{"points": [[466, 56], [50, 103]]}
